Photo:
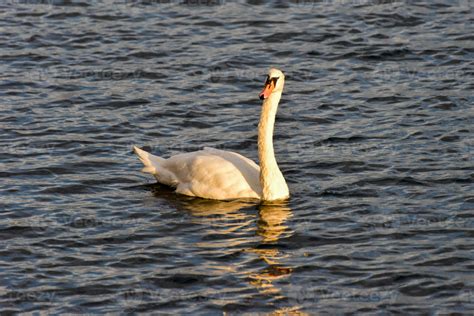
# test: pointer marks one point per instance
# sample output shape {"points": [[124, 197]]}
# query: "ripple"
{"points": [[372, 134]]}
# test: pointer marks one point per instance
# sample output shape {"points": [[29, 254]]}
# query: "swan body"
{"points": [[209, 173], [224, 175]]}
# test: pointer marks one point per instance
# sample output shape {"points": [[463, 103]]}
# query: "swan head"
{"points": [[273, 84]]}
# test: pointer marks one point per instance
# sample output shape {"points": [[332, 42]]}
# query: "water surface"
{"points": [[373, 134]]}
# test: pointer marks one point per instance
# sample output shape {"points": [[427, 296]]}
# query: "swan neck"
{"points": [[271, 179]]}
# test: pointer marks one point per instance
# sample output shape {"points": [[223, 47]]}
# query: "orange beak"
{"points": [[267, 90]]}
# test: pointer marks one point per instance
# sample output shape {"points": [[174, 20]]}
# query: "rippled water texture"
{"points": [[374, 135]]}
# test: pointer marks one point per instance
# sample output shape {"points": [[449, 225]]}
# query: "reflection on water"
{"points": [[271, 223], [271, 226], [207, 208], [226, 217]]}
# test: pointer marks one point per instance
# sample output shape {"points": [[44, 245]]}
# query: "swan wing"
{"points": [[209, 173], [215, 174]]}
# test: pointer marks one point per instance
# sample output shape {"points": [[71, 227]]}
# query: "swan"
{"points": [[225, 175]]}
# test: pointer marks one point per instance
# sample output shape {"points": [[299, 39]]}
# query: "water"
{"points": [[374, 136]]}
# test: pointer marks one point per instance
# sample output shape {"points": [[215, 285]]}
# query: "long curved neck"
{"points": [[273, 183]]}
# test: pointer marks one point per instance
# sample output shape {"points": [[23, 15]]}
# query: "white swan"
{"points": [[224, 175]]}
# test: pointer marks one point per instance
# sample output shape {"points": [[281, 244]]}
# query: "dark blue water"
{"points": [[374, 135]]}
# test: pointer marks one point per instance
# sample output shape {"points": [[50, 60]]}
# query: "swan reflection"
{"points": [[271, 226], [203, 208], [271, 222], [232, 228], [230, 220]]}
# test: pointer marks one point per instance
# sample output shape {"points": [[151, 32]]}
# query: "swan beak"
{"points": [[267, 90]]}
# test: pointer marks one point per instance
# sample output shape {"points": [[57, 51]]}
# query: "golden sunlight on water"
{"points": [[228, 218], [271, 225]]}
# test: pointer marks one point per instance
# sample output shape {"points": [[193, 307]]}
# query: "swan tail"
{"points": [[151, 162]]}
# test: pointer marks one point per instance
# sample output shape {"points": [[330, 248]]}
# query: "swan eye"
{"points": [[271, 80]]}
